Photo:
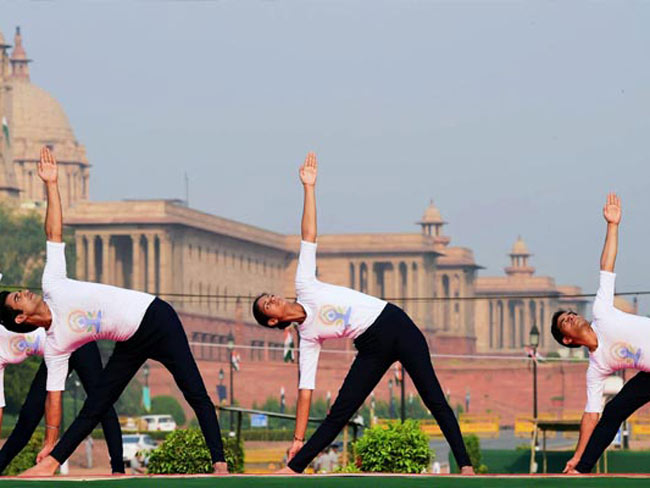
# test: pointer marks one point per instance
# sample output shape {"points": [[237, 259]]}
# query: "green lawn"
{"points": [[333, 482]]}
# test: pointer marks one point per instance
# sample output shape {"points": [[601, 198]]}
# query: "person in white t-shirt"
{"points": [[75, 313], [86, 361], [382, 333], [616, 340]]}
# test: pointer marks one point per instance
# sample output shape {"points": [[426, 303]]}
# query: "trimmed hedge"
{"points": [[395, 448], [185, 452]]}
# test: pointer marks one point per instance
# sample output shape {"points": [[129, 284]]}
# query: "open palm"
{"points": [[309, 170], [47, 168], [612, 209]]}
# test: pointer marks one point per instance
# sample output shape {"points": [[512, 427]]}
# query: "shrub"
{"points": [[397, 448], [185, 452], [27, 457], [165, 404], [473, 445]]}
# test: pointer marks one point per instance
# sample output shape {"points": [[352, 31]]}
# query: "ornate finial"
{"points": [[19, 60]]}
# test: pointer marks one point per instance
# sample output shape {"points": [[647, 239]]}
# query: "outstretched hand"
{"points": [[309, 170], [47, 168], [612, 209]]}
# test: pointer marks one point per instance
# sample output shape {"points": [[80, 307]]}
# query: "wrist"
{"points": [[298, 439]]}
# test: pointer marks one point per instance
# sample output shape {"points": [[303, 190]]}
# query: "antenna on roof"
{"points": [[187, 190]]}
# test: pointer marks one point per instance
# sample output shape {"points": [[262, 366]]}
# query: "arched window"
{"points": [[352, 276]]}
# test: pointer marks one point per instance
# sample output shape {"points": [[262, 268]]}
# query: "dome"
{"points": [[432, 215], [38, 119], [519, 248]]}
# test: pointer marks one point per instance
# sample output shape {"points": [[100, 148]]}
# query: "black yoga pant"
{"points": [[634, 394], [392, 337], [160, 337], [87, 362]]}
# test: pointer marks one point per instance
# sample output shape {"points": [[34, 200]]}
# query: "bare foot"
{"points": [[220, 468], [285, 470], [467, 470], [572, 471], [47, 467]]}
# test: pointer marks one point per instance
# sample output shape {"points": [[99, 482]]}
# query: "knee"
{"points": [[612, 414], [94, 408]]}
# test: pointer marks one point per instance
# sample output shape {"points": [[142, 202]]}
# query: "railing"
{"points": [[241, 411]]}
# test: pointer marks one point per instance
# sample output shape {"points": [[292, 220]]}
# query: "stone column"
{"points": [[106, 259], [113, 273], [151, 263], [136, 281], [92, 269], [166, 275], [415, 291], [81, 256]]}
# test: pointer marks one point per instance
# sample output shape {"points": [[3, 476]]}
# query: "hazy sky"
{"points": [[515, 117]]}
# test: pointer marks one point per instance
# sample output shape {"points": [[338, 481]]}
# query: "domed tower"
{"points": [[519, 260], [37, 119], [432, 223]]}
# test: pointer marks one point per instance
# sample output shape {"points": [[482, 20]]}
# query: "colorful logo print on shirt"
{"points": [[336, 316], [80, 321], [626, 354], [24, 344]]}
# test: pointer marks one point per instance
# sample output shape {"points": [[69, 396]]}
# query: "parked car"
{"points": [[132, 444], [163, 423]]}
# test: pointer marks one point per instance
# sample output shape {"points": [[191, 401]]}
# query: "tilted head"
{"points": [[17, 308], [269, 310], [568, 328]]}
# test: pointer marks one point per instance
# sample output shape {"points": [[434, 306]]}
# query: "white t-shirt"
{"points": [[623, 342], [332, 312], [83, 312], [15, 348]]}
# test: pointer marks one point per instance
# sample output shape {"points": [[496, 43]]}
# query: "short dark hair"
{"points": [[8, 317], [263, 319], [555, 330]]}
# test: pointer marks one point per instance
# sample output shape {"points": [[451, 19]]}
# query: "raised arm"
{"points": [[308, 172], [612, 214], [48, 171]]}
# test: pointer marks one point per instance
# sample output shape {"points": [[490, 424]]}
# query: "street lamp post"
{"points": [[231, 348], [390, 394], [402, 395], [534, 342]]}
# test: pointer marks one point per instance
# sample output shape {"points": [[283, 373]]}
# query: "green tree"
{"points": [[130, 401], [17, 380], [22, 248], [165, 404]]}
